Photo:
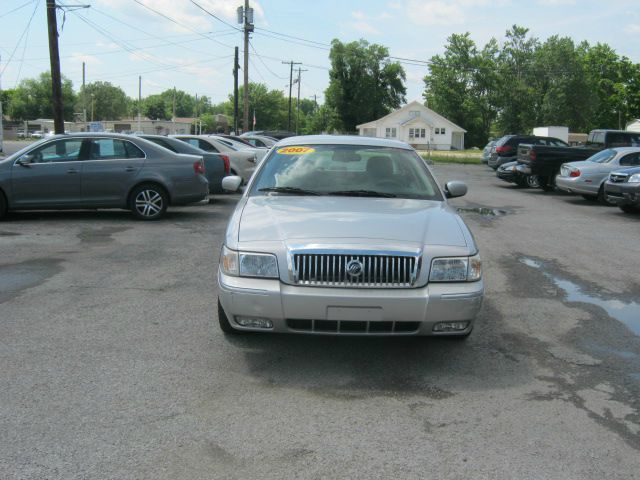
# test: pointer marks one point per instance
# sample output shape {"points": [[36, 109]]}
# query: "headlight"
{"points": [[456, 269], [263, 265], [635, 178]]}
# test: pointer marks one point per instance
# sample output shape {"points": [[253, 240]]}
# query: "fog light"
{"points": [[450, 326], [254, 322]]}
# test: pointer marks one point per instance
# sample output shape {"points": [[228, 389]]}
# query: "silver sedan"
{"points": [[94, 170], [587, 177], [243, 162], [348, 235]]}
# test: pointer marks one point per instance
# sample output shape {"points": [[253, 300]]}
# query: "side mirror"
{"points": [[231, 183], [455, 189], [25, 160]]}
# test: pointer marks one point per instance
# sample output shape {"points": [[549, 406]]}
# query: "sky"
{"points": [[174, 43]]}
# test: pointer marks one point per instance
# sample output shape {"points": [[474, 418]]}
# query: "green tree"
{"points": [[462, 86], [564, 90], [270, 108], [156, 108], [364, 84], [33, 98], [517, 112], [108, 101]]}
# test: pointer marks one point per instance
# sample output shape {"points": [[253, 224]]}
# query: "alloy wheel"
{"points": [[148, 203]]}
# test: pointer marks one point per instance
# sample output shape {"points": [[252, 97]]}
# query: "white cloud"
{"points": [[556, 2], [632, 28], [365, 27], [435, 13], [88, 59]]}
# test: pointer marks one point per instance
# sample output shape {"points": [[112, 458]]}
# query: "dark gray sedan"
{"points": [[93, 170], [216, 165]]}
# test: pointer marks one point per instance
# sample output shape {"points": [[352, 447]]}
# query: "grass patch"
{"points": [[460, 159]]}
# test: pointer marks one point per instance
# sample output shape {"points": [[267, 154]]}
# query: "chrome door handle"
{"points": [[72, 170], [130, 169]]}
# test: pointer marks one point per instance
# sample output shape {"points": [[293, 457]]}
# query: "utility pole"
{"points": [[54, 57], [236, 66], [291, 63], [300, 70], [139, 101], [245, 16], [173, 117], [84, 99]]}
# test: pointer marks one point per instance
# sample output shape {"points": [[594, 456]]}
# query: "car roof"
{"points": [[342, 140], [625, 149]]}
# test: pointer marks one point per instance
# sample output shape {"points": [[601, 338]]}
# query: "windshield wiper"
{"points": [[362, 193], [291, 190]]}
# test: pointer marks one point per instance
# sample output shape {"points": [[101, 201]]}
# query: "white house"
{"points": [[417, 125], [634, 125]]}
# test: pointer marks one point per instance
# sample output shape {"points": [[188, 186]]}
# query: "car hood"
{"points": [[293, 218]]}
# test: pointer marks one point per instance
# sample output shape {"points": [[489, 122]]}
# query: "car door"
{"points": [[48, 176], [110, 171]]}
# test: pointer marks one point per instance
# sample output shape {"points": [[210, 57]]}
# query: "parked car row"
{"points": [[606, 169]]}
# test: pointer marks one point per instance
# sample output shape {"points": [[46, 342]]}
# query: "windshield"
{"points": [[353, 170], [602, 157]]}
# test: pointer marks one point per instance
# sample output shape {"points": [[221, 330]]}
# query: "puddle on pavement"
{"points": [[627, 313], [21, 276], [484, 211], [100, 235]]}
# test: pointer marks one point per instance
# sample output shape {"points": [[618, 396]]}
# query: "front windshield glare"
{"points": [[353, 170]]}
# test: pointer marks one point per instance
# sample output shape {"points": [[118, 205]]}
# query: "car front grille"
{"points": [[353, 327], [355, 270], [618, 177]]}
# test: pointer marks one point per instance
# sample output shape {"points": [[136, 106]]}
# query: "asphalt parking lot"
{"points": [[112, 365]]}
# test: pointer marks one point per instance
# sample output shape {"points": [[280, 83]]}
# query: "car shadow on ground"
{"points": [[173, 214], [357, 366]]}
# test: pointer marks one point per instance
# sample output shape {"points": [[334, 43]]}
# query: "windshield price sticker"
{"points": [[295, 150]]}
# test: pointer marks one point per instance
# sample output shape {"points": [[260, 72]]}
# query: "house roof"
{"points": [[413, 105]]}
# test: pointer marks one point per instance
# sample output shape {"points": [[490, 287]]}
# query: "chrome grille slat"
{"points": [[385, 270]]}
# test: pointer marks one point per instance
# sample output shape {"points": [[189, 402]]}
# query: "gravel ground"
{"points": [[112, 366]]}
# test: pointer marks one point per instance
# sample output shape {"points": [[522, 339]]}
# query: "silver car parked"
{"points": [[94, 170], [243, 162], [587, 177], [348, 235]]}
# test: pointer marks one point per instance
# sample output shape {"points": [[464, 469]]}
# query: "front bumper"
{"points": [[285, 305], [622, 193]]}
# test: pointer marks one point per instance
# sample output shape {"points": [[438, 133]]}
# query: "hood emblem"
{"points": [[354, 268]]}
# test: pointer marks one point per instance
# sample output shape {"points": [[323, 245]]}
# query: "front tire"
{"points": [[629, 208], [546, 184], [223, 321], [148, 202], [533, 181], [602, 197], [3, 205]]}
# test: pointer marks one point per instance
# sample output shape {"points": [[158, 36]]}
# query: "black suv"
{"points": [[506, 149]]}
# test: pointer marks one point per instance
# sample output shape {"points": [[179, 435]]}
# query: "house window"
{"points": [[390, 132], [422, 133], [442, 131], [414, 113], [437, 131]]}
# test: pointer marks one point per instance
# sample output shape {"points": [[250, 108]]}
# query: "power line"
{"points": [[215, 16], [180, 24], [26, 29], [18, 8], [265, 65], [134, 27]]}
